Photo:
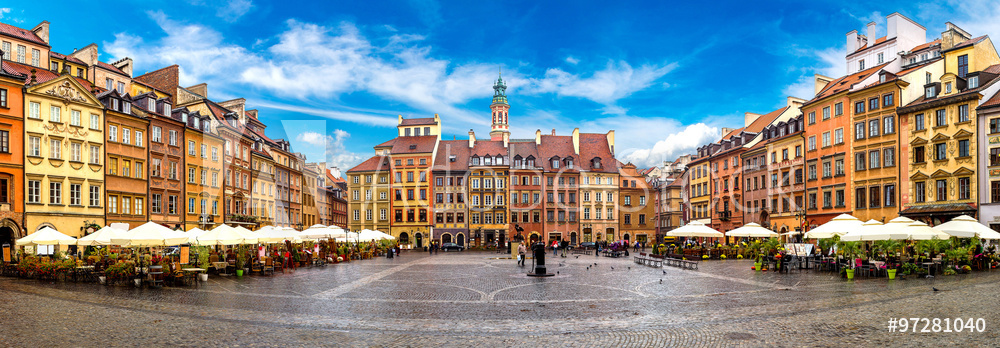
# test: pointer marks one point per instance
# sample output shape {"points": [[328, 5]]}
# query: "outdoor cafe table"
{"points": [[220, 265], [87, 271], [194, 273]]}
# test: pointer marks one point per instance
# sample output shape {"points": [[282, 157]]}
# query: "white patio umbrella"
{"points": [[150, 234], [369, 235], [102, 236], [46, 236], [695, 229], [874, 230], [224, 235], [965, 226], [838, 226], [317, 232], [752, 229], [919, 230]]}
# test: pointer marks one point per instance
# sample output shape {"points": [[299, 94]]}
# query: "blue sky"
{"points": [[331, 76]]}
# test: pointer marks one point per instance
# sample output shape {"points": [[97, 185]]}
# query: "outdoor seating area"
{"points": [[156, 256]]}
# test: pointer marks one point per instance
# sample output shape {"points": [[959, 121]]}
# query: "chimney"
{"points": [[538, 137], [852, 41], [871, 32], [611, 141], [576, 141], [891, 25], [199, 89], [472, 139], [794, 102], [748, 118], [88, 54], [125, 65], [42, 30], [821, 82], [553, 132], [952, 36]]}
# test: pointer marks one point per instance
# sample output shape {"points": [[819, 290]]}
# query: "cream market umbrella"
{"points": [[752, 229], [150, 234], [965, 226], [317, 232], [695, 229], [46, 236], [874, 230], [369, 235], [102, 236], [839, 226], [918, 230], [223, 235]]}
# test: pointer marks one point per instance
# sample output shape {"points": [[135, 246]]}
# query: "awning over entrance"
{"points": [[938, 213]]}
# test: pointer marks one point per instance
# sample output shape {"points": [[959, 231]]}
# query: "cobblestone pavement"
{"points": [[476, 299]]}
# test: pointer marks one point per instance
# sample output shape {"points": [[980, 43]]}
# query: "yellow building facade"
{"points": [[59, 192]]}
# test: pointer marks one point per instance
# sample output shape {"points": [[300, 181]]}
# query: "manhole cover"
{"points": [[740, 336]]}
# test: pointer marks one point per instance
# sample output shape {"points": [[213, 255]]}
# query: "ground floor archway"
{"points": [[572, 238], [460, 239], [419, 237], [404, 238], [626, 238], [533, 237], [446, 238]]}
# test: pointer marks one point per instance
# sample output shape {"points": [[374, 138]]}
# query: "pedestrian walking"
{"points": [[430, 249], [397, 250], [521, 250], [555, 248]]}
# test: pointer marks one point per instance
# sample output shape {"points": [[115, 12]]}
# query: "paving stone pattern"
{"points": [[475, 299]]}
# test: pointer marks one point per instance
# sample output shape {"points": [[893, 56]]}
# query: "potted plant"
{"points": [[241, 261], [850, 250]]}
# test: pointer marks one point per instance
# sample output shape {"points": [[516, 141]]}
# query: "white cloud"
{"points": [[830, 62], [572, 60], [312, 138], [618, 80], [337, 154], [4, 10], [682, 142], [234, 9]]}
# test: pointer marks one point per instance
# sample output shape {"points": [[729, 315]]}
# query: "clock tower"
{"points": [[499, 110]]}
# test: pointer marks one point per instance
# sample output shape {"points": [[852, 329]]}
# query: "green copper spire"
{"points": [[499, 90]]}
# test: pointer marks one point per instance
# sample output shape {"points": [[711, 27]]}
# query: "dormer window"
{"points": [[197, 121], [569, 163], [114, 104], [166, 109], [973, 82], [475, 161], [947, 87], [555, 163], [929, 93], [531, 162], [128, 108], [151, 105], [881, 78], [487, 160], [499, 160], [184, 115]]}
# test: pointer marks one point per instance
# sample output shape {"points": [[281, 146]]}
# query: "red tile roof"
{"points": [[524, 149], [418, 122], [41, 75], [596, 145], [421, 144], [112, 68], [553, 146], [375, 163], [969, 42], [23, 34], [387, 143], [71, 59], [992, 102], [993, 69], [876, 43], [926, 45], [334, 179], [487, 147], [448, 148], [844, 83], [758, 125]]}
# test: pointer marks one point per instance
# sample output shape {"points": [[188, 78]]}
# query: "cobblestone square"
{"points": [[478, 299]]}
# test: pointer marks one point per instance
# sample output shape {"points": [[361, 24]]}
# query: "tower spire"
{"points": [[499, 108]]}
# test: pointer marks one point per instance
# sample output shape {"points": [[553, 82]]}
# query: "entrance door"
{"points": [[572, 238], [587, 235], [7, 236], [626, 237], [446, 238], [420, 240], [534, 238], [554, 236], [461, 239], [404, 238]]}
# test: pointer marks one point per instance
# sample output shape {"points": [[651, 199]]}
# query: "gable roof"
{"points": [[71, 59], [844, 83], [524, 149], [417, 122], [915, 105], [448, 148], [553, 146], [487, 147], [596, 145], [926, 45], [23, 34], [41, 75], [967, 43], [374, 163], [112, 68], [421, 144]]}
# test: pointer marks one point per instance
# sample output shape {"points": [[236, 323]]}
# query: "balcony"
{"points": [[239, 218], [724, 215]]}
